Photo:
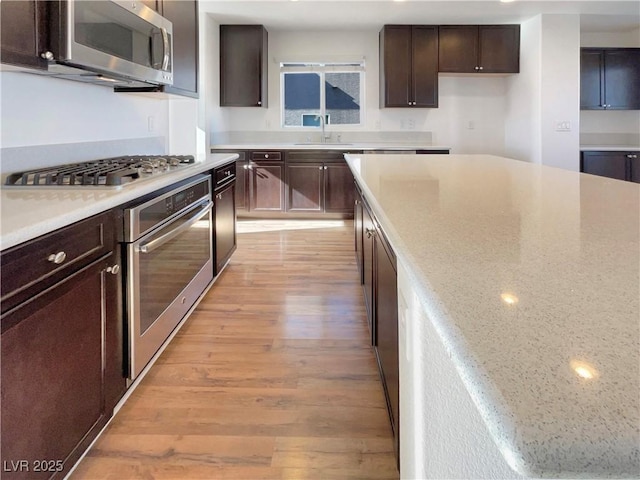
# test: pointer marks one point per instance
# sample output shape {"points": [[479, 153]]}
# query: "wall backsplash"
{"points": [[46, 111]]}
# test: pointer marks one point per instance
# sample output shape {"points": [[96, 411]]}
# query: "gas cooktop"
{"points": [[108, 172]]}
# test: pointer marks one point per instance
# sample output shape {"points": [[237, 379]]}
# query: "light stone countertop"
{"points": [[609, 148], [478, 231], [328, 146], [28, 212]]}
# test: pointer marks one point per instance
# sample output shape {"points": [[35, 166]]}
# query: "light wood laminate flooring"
{"points": [[272, 377]]}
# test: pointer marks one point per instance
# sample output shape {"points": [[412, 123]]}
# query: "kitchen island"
{"points": [[519, 308]]}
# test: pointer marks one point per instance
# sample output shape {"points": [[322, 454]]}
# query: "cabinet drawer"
{"points": [[34, 265], [266, 155], [315, 155], [225, 174]]}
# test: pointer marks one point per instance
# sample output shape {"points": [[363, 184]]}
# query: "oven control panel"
{"points": [[157, 211]]}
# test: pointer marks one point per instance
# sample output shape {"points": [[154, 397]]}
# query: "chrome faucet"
{"points": [[323, 139]]}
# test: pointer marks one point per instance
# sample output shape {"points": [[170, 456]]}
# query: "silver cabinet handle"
{"points": [[480, 68], [476, 68], [57, 258], [161, 240], [246, 167], [259, 102], [266, 155], [319, 168], [114, 269], [47, 55], [250, 167], [631, 155], [370, 232]]}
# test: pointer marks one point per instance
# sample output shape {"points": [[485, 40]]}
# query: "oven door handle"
{"points": [[161, 240]]}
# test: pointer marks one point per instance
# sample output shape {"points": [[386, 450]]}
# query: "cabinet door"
{"points": [[458, 48], [305, 187], [622, 79], [367, 266], [183, 14], [634, 167], [425, 66], [386, 327], [266, 187], [242, 184], [395, 66], [339, 188], [243, 66], [591, 69], [22, 33], [52, 366], [605, 164], [499, 48], [225, 227]]}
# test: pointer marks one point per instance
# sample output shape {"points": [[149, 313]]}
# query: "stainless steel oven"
{"points": [[169, 264]]}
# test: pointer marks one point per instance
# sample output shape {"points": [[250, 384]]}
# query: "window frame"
{"points": [[322, 69]]}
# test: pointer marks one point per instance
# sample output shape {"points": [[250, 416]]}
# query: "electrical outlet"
{"points": [[471, 125], [151, 123], [411, 124], [563, 126], [378, 125]]}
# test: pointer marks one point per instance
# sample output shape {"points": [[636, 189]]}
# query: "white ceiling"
{"points": [[596, 15]]}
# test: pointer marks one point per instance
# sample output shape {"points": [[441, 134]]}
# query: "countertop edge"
{"points": [[115, 197], [327, 146], [610, 148]]}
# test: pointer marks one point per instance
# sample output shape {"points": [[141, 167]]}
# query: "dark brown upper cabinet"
{"points": [[243, 66], [409, 66], [610, 79], [22, 33], [479, 49], [183, 14]]}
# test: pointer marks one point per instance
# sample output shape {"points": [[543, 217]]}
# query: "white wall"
{"points": [[560, 100], [38, 110], [546, 91], [480, 101], [524, 91]]}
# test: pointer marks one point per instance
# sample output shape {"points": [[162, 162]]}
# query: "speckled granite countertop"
{"points": [[531, 276], [328, 146], [609, 148], [29, 212]]}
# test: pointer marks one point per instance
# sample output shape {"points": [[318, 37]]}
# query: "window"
{"points": [[312, 90]]}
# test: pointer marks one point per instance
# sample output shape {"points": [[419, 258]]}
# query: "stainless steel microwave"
{"points": [[112, 39]]}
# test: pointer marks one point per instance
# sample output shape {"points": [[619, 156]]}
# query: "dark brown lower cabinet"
{"points": [[618, 165], [379, 280], [386, 327], [225, 225], [266, 186], [62, 353], [314, 187]]}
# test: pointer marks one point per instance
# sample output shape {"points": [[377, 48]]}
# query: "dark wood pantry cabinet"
{"points": [[612, 164], [62, 346], [409, 66], [243, 66], [479, 49], [610, 79]]}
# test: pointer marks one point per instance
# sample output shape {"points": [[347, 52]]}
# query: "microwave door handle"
{"points": [[158, 242], [165, 49]]}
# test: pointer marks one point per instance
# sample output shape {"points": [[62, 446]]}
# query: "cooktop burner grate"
{"points": [[107, 172]]}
